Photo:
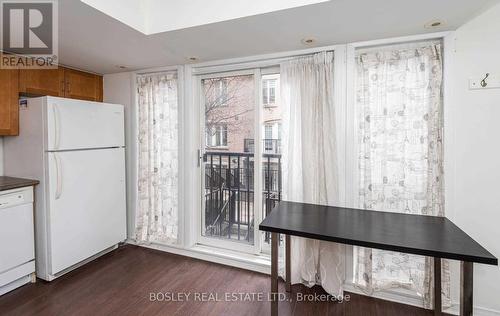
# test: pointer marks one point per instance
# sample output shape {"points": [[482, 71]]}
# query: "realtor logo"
{"points": [[29, 34]]}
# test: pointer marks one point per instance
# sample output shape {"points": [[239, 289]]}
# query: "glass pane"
{"points": [[265, 91], [229, 162], [271, 148], [272, 91]]}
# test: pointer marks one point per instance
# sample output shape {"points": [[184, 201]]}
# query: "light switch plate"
{"points": [[493, 82]]}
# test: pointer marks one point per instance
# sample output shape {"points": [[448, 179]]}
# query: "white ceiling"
{"points": [[157, 16], [94, 41]]}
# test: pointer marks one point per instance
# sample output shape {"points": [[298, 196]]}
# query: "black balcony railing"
{"points": [[269, 146], [229, 193]]}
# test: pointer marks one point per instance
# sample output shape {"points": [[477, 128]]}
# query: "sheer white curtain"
{"points": [[157, 213], [400, 120], [310, 162]]}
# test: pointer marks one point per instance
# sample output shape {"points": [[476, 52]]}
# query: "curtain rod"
{"points": [[417, 42], [258, 63], [172, 71]]}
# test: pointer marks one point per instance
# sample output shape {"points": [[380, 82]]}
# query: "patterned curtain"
{"points": [[157, 214], [400, 124]]}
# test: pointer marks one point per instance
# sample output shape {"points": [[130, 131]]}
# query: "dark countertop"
{"points": [[8, 183], [417, 234]]}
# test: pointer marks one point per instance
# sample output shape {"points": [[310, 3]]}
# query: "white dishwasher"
{"points": [[17, 249]]}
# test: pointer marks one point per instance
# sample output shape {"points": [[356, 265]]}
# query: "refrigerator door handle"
{"points": [[57, 127], [58, 176]]}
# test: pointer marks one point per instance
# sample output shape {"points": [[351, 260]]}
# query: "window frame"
{"points": [[229, 245], [351, 147], [266, 66]]}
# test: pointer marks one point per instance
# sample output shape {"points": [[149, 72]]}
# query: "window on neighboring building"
{"points": [[268, 137], [222, 91], [217, 136], [216, 91], [269, 91]]}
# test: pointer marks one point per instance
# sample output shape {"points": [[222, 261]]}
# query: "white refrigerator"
{"points": [[76, 149]]}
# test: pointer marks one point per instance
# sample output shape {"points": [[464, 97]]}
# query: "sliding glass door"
{"points": [[229, 115], [241, 157]]}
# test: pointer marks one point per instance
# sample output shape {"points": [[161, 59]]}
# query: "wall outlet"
{"points": [[492, 82]]}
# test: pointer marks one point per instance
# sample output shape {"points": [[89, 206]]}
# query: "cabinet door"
{"points": [[99, 89], [82, 85], [42, 81], [9, 102]]}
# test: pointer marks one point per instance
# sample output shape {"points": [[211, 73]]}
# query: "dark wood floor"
{"points": [[120, 283]]}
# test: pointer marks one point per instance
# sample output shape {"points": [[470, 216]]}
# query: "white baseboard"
{"points": [[15, 284], [478, 310], [16, 276], [403, 297]]}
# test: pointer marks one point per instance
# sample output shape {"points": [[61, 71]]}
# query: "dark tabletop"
{"points": [[422, 235], [8, 183]]}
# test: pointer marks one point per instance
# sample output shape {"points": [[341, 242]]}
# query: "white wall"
{"points": [[118, 89], [475, 150]]}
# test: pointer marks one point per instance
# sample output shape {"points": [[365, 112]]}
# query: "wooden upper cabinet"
{"points": [[9, 102], [42, 82], [61, 82], [82, 85]]}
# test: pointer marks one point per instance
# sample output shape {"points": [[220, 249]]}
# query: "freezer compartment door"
{"points": [[87, 210], [76, 124]]}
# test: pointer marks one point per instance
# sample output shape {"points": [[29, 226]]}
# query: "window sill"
{"points": [[259, 263], [402, 296]]}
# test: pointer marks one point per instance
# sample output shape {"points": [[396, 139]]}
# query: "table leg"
{"points": [[274, 273], [466, 288], [437, 287], [288, 264]]}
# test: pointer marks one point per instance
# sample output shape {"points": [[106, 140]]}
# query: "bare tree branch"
{"points": [[224, 103]]}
